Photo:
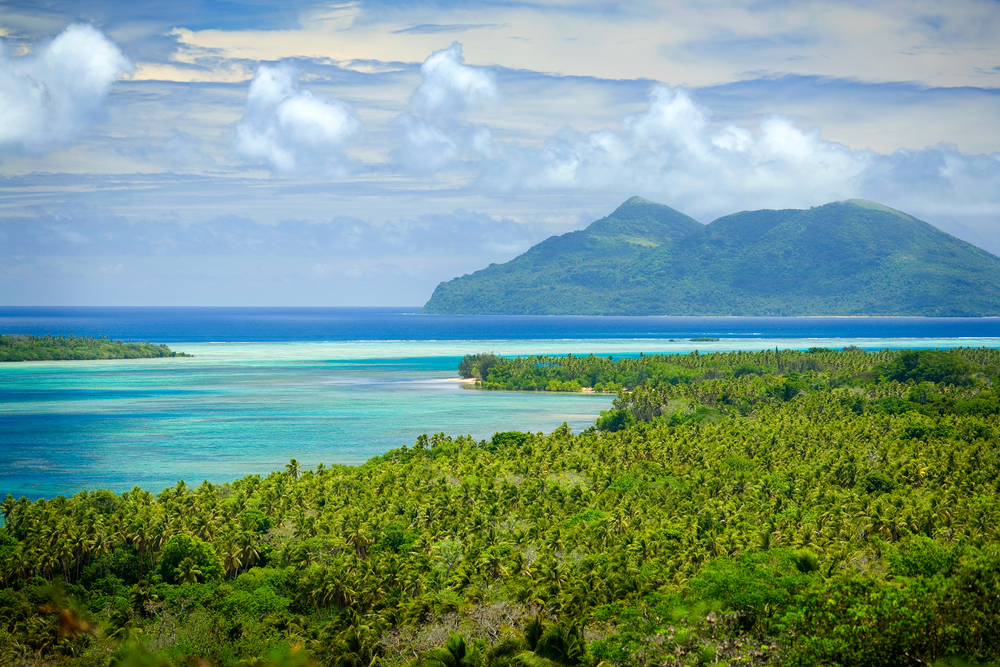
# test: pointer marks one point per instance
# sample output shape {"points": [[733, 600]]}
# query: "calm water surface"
{"points": [[330, 385]]}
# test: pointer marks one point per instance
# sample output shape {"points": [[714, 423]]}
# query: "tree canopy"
{"points": [[814, 513], [16, 347]]}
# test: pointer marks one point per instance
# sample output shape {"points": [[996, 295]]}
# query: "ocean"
{"points": [[331, 385]]}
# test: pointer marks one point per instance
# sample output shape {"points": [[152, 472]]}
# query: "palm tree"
{"points": [[293, 469], [358, 536], [248, 541], [187, 571], [232, 559], [7, 507], [552, 646], [454, 653], [203, 527], [354, 647]]}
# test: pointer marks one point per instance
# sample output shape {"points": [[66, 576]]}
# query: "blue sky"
{"points": [[358, 153]]}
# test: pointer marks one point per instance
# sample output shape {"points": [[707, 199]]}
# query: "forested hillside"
{"points": [[795, 508], [844, 258]]}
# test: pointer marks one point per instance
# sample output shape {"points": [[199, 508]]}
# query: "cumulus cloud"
{"points": [[672, 151], [433, 133], [450, 87], [289, 129], [47, 97]]}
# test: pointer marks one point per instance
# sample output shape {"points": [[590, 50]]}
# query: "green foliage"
{"points": [[844, 258], [397, 538], [507, 439], [255, 604], [187, 559], [16, 347], [855, 620], [755, 586], [615, 420], [805, 561], [877, 482], [254, 519], [589, 516], [627, 483], [937, 366], [721, 524], [920, 556], [477, 365]]}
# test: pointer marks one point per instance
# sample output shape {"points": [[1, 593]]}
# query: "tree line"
{"points": [[16, 347]]}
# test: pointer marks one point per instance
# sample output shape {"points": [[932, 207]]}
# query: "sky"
{"points": [[306, 153]]}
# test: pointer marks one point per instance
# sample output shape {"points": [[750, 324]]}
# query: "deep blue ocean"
{"points": [[172, 325], [337, 385]]}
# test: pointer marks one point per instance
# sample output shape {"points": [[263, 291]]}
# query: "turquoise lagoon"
{"points": [[247, 408]]}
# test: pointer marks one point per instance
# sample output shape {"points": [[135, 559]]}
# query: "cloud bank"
{"points": [[76, 231], [47, 97], [288, 129], [79, 254], [673, 152]]}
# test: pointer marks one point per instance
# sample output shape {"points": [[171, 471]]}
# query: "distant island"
{"points": [[17, 347], [845, 258]]}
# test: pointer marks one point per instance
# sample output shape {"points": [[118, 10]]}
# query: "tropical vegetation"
{"points": [[18, 347], [785, 507]]}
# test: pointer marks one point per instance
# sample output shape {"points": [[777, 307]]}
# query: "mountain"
{"points": [[845, 258]]}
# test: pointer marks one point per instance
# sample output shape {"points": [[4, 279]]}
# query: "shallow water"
{"points": [[247, 408], [115, 424]]}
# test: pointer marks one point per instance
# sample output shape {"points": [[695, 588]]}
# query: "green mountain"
{"points": [[846, 258]]}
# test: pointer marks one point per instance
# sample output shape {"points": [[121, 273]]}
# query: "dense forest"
{"points": [[16, 347], [749, 508]]}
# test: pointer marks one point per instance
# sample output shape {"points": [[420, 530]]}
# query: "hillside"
{"points": [[845, 258]]}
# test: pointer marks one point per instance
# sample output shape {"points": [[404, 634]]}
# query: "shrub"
{"points": [[615, 420], [185, 557]]}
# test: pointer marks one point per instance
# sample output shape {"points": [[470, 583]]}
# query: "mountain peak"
{"points": [[875, 206], [645, 222], [851, 257], [637, 205]]}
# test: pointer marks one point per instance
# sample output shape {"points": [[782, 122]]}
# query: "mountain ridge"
{"points": [[853, 257]]}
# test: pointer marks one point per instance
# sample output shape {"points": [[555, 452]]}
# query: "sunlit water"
{"points": [[247, 408], [115, 424]]}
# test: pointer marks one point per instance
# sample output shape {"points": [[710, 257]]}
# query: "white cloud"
{"points": [[47, 97], [433, 132], [450, 87], [674, 153], [289, 129]]}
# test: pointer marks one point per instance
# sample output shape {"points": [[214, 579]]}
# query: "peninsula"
{"points": [[16, 347]]}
